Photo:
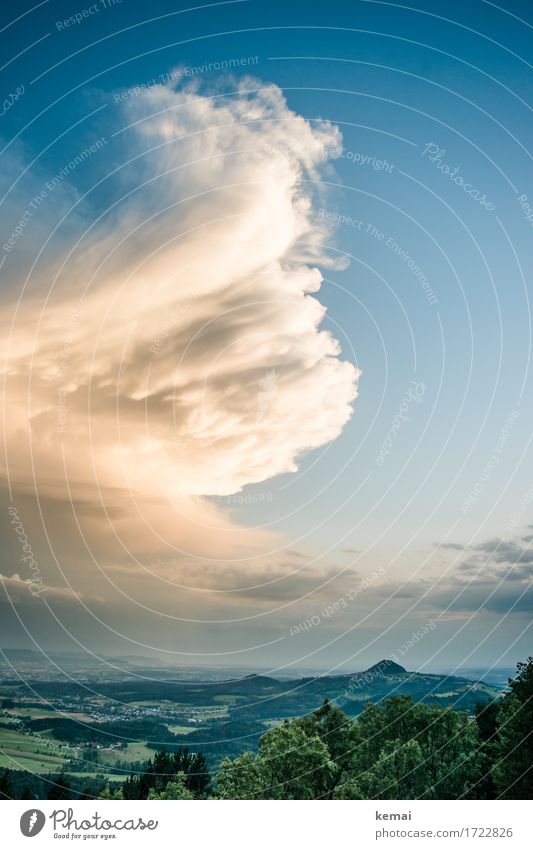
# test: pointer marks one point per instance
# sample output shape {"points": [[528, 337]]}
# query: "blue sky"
{"points": [[427, 198]]}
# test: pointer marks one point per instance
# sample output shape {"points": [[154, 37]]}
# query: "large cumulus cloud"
{"points": [[173, 348]]}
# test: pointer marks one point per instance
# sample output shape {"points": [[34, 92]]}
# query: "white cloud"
{"points": [[180, 349]]}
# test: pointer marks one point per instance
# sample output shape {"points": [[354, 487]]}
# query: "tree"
{"points": [[240, 778], [348, 789], [400, 773], [6, 790], [110, 793], [447, 739], [130, 788], [342, 738], [175, 789], [60, 788], [163, 768], [27, 793], [198, 777], [294, 765], [486, 715], [513, 769]]}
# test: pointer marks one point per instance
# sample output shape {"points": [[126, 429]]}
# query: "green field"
{"points": [[99, 773], [209, 712], [47, 713], [40, 754], [181, 729], [22, 751], [133, 752]]}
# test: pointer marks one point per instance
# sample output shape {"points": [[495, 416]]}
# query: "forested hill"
{"points": [[261, 697]]}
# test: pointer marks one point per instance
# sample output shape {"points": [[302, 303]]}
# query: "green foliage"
{"points": [[27, 793], [395, 750], [240, 778], [60, 788], [111, 793], [175, 789], [399, 773], [294, 764], [447, 741], [487, 718], [348, 789], [513, 769], [163, 769], [5, 785]]}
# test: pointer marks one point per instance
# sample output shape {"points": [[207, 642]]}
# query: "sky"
{"points": [[266, 332]]}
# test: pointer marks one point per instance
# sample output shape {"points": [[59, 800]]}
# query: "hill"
{"points": [[104, 724]]}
